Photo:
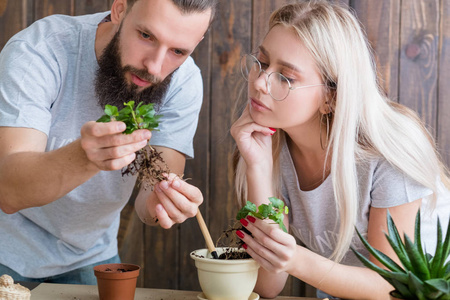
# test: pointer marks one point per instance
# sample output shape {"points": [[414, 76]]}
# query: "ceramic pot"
{"points": [[222, 279], [116, 281]]}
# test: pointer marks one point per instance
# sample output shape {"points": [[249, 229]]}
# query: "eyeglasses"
{"points": [[278, 85]]}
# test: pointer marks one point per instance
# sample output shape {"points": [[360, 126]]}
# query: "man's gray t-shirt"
{"points": [[313, 218], [47, 83]]}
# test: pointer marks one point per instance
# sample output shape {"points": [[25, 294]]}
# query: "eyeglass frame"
{"points": [[261, 70]]}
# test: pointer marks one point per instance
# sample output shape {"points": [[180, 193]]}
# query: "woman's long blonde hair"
{"points": [[365, 124]]}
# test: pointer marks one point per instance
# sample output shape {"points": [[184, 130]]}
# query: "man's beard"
{"points": [[111, 86]]}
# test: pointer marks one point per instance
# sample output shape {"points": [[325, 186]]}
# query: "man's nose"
{"points": [[154, 62]]}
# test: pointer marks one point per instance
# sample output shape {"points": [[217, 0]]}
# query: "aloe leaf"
{"points": [[419, 264], [381, 257], [399, 276], [401, 290], [436, 287], [396, 243], [445, 253], [436, 261], [416, 286], [417, 236], [401, 254]]}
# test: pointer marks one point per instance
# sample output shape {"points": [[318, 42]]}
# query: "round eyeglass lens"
{"points": [[250, 68], [278, 86]]}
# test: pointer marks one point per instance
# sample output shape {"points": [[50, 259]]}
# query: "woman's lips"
{"points": [[138, 81], [258, 105]]}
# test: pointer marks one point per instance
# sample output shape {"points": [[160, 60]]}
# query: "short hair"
{"points": [[189, 6]]}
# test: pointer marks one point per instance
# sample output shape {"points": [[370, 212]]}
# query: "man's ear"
{"points": [[118, 11]]}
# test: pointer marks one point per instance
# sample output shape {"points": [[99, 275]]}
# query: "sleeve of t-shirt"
{"points": [[180, 111], [391, 187], [28, 85]]}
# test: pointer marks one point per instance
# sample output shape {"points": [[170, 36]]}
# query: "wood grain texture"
{"points": [[443, 117], [50, 7], [12, 19], [419, 58], [381, 22]]}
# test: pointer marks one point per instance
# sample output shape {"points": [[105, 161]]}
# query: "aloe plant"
{"points": [[422, 276]]}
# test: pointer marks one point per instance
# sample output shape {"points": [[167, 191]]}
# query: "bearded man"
{"points": [[61, 188]]}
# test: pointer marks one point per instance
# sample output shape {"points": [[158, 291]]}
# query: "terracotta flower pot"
{"points": [[225, 279], [116, 281]]}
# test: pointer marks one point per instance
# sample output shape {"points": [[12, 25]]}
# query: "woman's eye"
{"points": [[264, 66]]}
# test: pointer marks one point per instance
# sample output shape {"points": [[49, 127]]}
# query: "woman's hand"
{"points": [[253, 140], [270, 246]]}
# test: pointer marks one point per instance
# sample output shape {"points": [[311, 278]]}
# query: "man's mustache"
{"points": [[142, 74]]}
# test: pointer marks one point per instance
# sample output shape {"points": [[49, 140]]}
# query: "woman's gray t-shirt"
{"points": [[313, 217]]}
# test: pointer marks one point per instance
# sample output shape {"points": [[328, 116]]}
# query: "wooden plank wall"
{"points": [[411, 40]]}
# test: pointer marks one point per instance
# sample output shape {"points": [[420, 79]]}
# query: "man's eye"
{"points": [[178, 52], [145, 35]]}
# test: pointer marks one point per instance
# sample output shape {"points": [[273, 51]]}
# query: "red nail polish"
{"points": [[243, 222], [273, 129], [240, 234], [251, 219], [244, 246]]}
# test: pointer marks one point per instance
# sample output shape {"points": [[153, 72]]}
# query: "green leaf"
{"points": [[416, 286], [245, 210], [104, 119], [436, 261], [445, 252], [435, 288], [277, 203], [399, 276], [111, 110], [396, 243], [382, 258], [419, 265]]}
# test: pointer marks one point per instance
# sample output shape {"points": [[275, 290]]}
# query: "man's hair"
{"points": [[189, 6]]}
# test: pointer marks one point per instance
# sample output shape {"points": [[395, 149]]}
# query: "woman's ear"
{"points": [[118, 11]]}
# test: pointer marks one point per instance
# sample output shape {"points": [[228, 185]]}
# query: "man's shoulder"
{"points": [[56, 25]]}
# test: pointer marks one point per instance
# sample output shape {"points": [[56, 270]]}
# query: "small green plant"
{"points": [[274, 211], [423, 276], [143, 117], [149, 165]]}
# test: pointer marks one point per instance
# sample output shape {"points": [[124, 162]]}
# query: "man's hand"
{"points": [[107, 148], [178, 201]]}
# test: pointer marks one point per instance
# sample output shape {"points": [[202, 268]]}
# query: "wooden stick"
{"points": [[206, 235]]}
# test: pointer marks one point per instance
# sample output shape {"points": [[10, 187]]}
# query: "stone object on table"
{"points": [[11, 291]]}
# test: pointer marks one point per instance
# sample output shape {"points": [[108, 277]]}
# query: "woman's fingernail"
{"points": [[244, 246], [158, 188], [273, 129], [240, 234], [251, 219], [243, 222]]}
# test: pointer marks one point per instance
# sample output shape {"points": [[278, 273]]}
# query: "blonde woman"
{"points": [[318, 132]]}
